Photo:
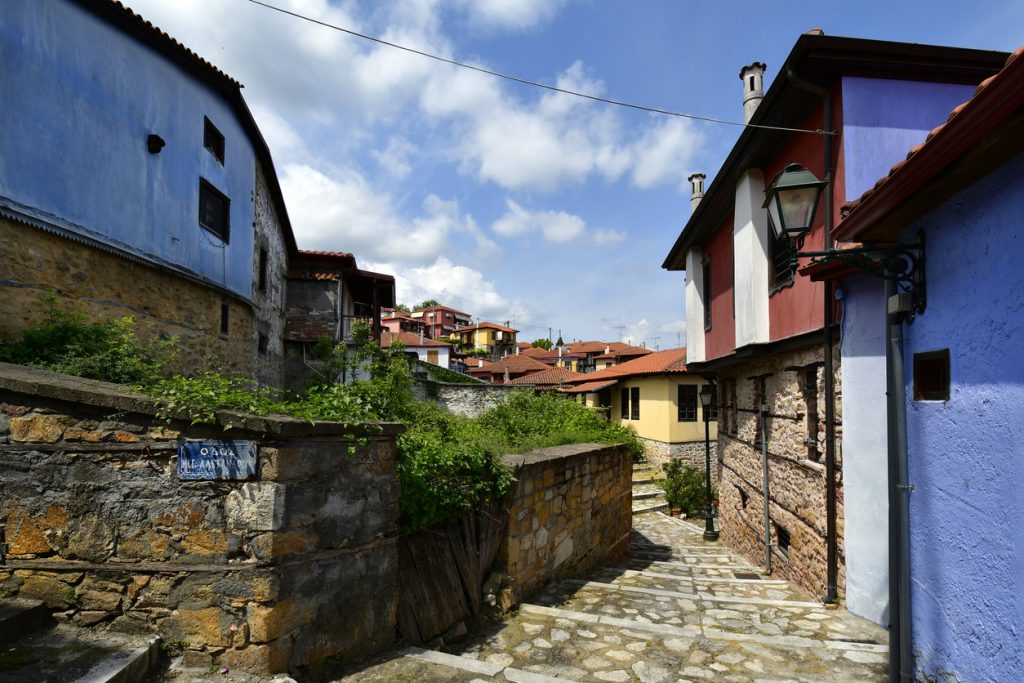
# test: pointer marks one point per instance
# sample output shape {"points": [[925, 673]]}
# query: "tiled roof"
{"points": [[517, 364], [442, 308], [534, 352], [661, 362], [588, 387], [334, 254], [625, 352], [989, 100], [320, 275], [409, 339], [486, 325], [548, 377]]}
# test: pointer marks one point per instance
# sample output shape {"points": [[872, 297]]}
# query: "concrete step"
{"points": [[647, 493], [18, 617], [67, 654], [642, 507]]}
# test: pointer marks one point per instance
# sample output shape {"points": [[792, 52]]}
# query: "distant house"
{"points": [[658, 399], [135, 181], [616, 353], [399, 321], [506, 369], [495, 340], [547, 380], [961, 189], [441, 321], [426, 349]]}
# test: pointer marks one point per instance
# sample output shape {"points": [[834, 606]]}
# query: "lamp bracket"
{"points": [[895, 261]]}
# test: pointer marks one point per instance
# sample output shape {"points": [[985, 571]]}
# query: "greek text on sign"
{"points": [[209, 460]]}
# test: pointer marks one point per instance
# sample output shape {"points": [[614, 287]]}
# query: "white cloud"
{"points": [[340, 211], [512, 14], [454, 285], [394, 159], [556, 226], [604, 236], [664, 153]]}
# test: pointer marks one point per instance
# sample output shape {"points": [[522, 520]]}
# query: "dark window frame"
{"points": [[784, 540], [686, 403], [781, 273], [624, 400], [207, 190], [264, 265], [213, 140], [225, 318], [634, 403]]}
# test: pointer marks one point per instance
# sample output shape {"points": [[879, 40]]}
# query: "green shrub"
{"points": [[105, 350], [685, 487]]}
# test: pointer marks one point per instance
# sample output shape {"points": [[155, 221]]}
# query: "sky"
{"points": [[506, 201]]}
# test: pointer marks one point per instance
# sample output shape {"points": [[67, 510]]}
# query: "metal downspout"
{"points": [[831, 540], [901, 659], [764, 481]]}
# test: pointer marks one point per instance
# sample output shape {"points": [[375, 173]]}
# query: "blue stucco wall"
{"points": [[966, 456], [79, 98], [883, 119]]}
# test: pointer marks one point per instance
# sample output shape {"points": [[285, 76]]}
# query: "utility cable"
{"points": [[535, 84]]}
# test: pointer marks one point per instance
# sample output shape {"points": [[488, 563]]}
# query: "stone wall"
{"points": [[266, 575], [101, 285], [691, 453], [796, 470], [469, 400], [270, 299], [571, 511]]}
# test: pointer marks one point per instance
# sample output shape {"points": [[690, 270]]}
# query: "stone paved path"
{"points": [[679, 610]]}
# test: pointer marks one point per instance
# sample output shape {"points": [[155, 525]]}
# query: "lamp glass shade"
{"points": [[706, 395], [792, 201]]}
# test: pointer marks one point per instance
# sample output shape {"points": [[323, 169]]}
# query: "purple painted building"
{"points": [[963, 191]]}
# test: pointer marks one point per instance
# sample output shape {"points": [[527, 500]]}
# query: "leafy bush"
{"points": [[685, 487], [106, 350]]}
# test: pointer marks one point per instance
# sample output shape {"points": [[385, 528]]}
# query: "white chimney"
{"points": [[753, 88], [696, 190]]}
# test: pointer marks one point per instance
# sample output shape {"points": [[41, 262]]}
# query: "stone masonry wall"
{"points": [[100, 285], [796, 469], [690, 452], [469, 400], [571, 511], [267, 575], [270, 300]]}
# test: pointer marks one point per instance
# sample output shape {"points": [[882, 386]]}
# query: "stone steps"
{"points": [[647, 495], [33, 649]]}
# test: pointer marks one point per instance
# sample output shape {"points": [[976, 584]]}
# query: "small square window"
{"points": [[931, 376], [214, 210], [213, 140]]}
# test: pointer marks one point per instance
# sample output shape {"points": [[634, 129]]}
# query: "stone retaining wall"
{"points": [[469, 400], [267, 575], [571, 511], [690, 452]]}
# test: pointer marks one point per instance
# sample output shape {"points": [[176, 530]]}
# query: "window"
{"points": [[263, 269], [780, 272], [931, 376], [224, 313], [783, 536], [634, 408], [728, 396], [713, 407], [624, 403], [263, 343], [744, 498], [687, 403], [214, 210], [706, 293], [213, 140], [810, 382], [760, 390]]}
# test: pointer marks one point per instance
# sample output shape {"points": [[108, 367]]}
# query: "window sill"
{"points": [[775, 289]]}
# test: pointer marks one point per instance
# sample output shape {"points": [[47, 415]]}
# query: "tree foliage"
{"points": [[542, 343], [685, 487], [427, 304]]}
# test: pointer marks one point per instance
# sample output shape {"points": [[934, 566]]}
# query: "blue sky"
{"points": [[509, 202]]}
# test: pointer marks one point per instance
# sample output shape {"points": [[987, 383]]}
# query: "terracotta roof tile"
{"points": [[409, 339], [548, 377], [486, 326], [670, 361], [517, 364], [588, 387]]}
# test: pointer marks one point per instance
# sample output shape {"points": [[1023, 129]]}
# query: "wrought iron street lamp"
{"points": [[707, 398], [792, 200]]}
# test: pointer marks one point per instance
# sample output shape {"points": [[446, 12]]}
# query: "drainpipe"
{"points": [[901, 659], [831, 541], [764, 480]]}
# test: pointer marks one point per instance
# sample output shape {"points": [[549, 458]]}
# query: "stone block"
{"points": [[37, 429], [266, 658], [278, 544], [205, 543], [256, 506], [93, 540], [54, 593], [269, 623], [198, 627]]}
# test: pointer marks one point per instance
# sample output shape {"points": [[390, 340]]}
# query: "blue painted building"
{"points": [[962, 189]]}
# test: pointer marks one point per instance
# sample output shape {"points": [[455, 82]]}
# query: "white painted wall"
{"points": [[694, 307], [865, 474], [750, 264], [442, 354]]}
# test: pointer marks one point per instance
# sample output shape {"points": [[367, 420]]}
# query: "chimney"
{"points": [[753, 88], [696, 190]]}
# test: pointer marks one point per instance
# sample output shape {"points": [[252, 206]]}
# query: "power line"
{"points": [[535, 84]]}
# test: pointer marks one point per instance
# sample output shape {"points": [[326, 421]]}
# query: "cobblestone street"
{"points": [[681, 610]]}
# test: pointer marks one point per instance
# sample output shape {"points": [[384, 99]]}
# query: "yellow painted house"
{"points": [[659, 400], [497, 340]]}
